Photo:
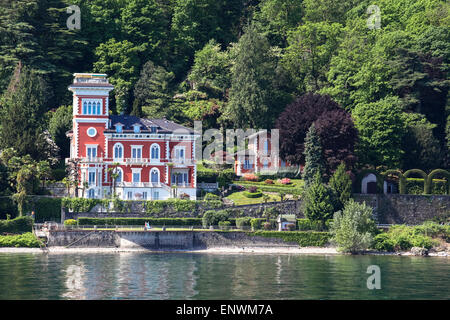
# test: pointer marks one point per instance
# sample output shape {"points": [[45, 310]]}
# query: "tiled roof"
{"points": [[162, 125]]}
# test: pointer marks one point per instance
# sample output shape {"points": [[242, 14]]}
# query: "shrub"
{"points": [[243, 222], [267, 226], [26, 240], [303, 238], [252, 189], [353, 228], [250, 177], [18, 225], [285, 181], [212, 218], [306, 225], [224, 225], [268, 181], [400, 237], [256, 223], [225, 177], [256, 194], [211, 196], [70, 222]]}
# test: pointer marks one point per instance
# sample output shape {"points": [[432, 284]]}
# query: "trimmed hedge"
{"points": [[139, 221], [257, 223], [79, 204], [26, 240], [47, 209], [18, 225], [256, 194], [70, 222], [417, 185], [308, 225], [303, 238]]}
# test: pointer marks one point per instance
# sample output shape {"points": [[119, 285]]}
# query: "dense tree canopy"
{"points": [[240, 63]]}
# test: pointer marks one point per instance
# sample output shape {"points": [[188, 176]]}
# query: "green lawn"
{"points": [[239, 199]]}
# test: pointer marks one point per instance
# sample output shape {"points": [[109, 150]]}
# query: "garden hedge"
{"points": [[303, 238], [139, 221], [18, 225]]}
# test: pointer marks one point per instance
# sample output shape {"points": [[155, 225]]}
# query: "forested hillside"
{"points": [[377, 96]]}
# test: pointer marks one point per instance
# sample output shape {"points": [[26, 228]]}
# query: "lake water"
{"points": [[213, 276]]}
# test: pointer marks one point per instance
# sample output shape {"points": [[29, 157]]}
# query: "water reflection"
{"points": [[203, 276], [75, 282]]}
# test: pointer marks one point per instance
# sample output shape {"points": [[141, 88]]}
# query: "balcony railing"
{"points": [[139, 184], [181, 161], [92, 159]]}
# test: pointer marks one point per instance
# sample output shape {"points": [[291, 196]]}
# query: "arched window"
{"points": [[118, 151], [98, 108], [154, 152], [89, 108], [84, 108], [119, 174], [154, 176]]}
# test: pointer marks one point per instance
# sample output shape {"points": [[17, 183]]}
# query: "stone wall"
{"points": [[406, 209], [162, 240], [83, 239], [388, 209]]}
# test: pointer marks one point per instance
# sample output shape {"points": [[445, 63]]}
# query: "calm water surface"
{"points": [[212, 276]]}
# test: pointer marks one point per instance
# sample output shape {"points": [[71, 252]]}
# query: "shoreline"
{"points": [[214, 250]]}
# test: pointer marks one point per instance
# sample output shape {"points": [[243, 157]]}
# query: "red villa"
{"points": [[150, 159]]}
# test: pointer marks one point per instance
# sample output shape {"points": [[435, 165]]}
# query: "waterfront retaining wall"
{"points": [[162, 240], [83, 239]]}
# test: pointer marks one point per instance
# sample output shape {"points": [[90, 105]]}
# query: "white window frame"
{"points": [[91, 146], [133, 147], [136, 171], [151, 152], [94, 174], [151, 174], [119, 128], [176, 154], [118, 144], [94, 106]]}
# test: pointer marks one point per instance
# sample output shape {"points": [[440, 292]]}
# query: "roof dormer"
{"points": [[119, 127], [137, 128]]}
